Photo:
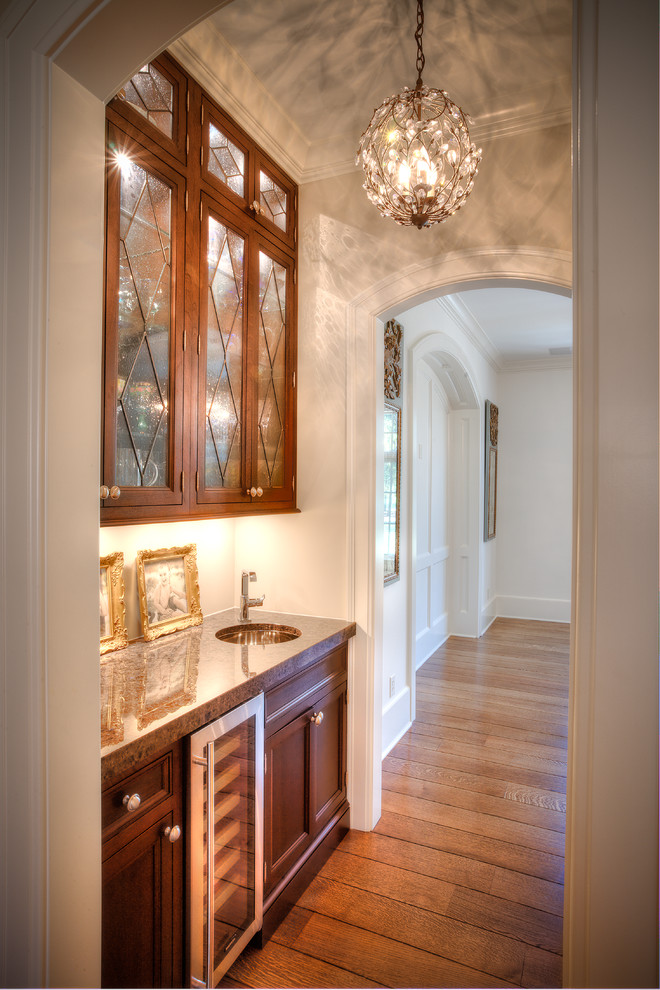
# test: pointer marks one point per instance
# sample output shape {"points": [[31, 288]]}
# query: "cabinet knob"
{"points": [[255, 492], [104, 492], [115, 492], [172, 833], [316, 718], [132, 801]]}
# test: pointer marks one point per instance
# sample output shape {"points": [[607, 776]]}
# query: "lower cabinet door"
{"points": [[305, 781], [328, 757], [142, 911], [286, 804]]}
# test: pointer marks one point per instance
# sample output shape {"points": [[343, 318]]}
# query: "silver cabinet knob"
{"points": [[316, 718], [115, 492], [104, 492], [132, 801], [172, 833], [255, 492]]}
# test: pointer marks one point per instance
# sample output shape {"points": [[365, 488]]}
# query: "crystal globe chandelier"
{"points": [[418, 159]]}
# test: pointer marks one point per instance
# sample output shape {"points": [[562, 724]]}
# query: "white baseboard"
{"points": [[396, 720], [487, 615], [431, 639], [543, 609]]}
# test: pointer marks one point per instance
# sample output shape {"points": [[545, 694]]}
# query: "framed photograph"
{"points": [[112, 613], [168, 586], [490, 475]]}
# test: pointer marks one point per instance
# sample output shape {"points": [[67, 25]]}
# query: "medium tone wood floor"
{"points": [[461, 882]]}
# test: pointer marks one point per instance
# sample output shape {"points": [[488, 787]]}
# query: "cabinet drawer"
{"points": [[152, 783], [293, 696]]}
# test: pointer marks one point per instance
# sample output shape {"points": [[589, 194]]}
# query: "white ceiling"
{"points": [[519, 325], [329, 63], [319, 68]]}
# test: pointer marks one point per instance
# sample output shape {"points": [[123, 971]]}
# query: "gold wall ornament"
{"points": [[393, 359], [493, 424], [168, 588], [112, 611], [418, 158]]}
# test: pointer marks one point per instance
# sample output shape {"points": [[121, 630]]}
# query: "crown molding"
{"points": [[504, 123], [219, 68], [550, 362], [464, 319]]}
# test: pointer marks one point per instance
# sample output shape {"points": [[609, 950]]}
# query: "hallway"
{"points": [[461, 882]]}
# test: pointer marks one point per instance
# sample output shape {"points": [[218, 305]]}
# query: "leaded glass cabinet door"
{"points": [[221, 469], [144, 311], [273, 382]]}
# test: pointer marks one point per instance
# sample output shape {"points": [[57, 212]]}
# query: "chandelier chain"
{"points": [[418, 39]]}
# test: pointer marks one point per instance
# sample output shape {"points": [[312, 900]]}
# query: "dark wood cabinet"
{"points": [[199, 410], [142, 877], [305, 816], [306, 811]]}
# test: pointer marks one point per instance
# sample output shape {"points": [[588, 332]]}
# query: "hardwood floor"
{"points": [[461, 882]]}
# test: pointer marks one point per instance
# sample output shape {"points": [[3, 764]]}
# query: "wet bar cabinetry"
{"points": [[306, 812], [146, 790], [143, 885], [200, 317]]}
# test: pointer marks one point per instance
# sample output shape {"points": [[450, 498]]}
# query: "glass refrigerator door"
{"points": [[227, 837]]}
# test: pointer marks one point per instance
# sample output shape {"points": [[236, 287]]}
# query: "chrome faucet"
{"points": [[247, 602]]}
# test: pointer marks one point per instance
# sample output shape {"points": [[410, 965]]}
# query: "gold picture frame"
{"points": [[112, 612], [168, 587]]}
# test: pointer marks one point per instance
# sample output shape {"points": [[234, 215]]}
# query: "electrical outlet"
{"points": [[392, 686]]}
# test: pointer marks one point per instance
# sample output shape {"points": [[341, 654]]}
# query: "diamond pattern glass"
{"points": [[226, 161], [271, 382], [224, 356], [144, 319], [273, 200], [152, 95]]}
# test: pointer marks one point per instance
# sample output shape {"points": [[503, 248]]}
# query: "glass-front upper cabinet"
{"points": [[142, 449], [200, 313]]}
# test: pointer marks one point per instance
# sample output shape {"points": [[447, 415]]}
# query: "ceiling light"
{"points": [[418, 159]]}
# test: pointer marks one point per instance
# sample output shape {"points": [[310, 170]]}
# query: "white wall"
{"points": [[534, 494], [612, 877]]}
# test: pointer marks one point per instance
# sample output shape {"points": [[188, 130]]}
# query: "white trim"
{"points": [[547, 269], [220, 70], [23, 711], [396, 720], [543, 609], [550, 362]]}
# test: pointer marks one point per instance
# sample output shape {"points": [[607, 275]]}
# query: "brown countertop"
{"points": [[153, 694]]}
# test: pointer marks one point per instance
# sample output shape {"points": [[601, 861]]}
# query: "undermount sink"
{"points": [[258, 634]]}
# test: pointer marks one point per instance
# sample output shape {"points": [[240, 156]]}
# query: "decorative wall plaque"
{"points": [[393, 359]]}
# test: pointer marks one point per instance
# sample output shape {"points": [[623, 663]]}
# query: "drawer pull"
{"points": [[132, 801], [316, 718], [172, 833]]}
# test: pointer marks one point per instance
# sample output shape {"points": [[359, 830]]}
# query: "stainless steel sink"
{"points": [[258, 634]]}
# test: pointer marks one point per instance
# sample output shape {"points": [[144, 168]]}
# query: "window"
{"points": [[392, 485]]}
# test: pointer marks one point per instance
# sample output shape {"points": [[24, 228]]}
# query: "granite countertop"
{"points": [[153, 694]]}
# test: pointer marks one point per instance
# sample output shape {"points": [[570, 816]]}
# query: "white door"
{"points": [[430, 523]]}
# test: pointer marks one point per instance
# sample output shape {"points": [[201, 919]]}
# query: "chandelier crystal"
{"points": [[418, 159]]}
